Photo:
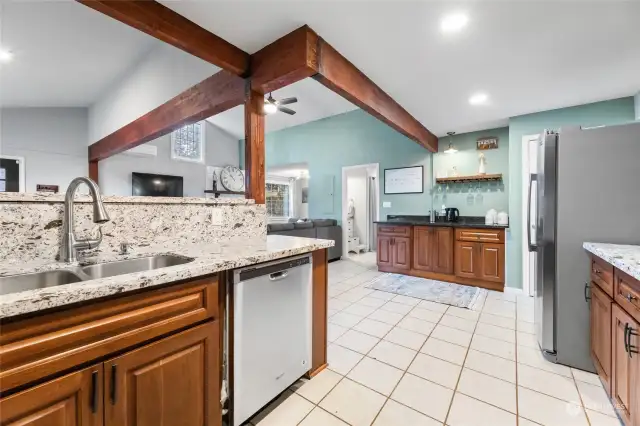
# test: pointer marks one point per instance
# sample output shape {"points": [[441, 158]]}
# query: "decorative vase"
{"points": [[483, 164]]}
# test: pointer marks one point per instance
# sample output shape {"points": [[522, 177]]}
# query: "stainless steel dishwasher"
{"points": [[272, 331]]}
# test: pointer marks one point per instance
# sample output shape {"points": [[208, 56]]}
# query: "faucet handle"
{"points": [[88, 244]]}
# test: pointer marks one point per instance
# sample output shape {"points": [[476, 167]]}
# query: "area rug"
{"points": [[458, 295]]}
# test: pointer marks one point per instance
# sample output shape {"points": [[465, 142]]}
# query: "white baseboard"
{"points": [[516, 291]]}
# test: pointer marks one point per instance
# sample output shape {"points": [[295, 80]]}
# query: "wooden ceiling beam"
{"points": [[218, 93], [159, 21]]}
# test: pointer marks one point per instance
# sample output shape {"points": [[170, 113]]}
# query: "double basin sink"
{"points": [[18, 283]]}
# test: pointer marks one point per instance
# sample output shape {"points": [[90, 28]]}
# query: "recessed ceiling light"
{"points": [[5, 55], [479, 99], [454, 22]]}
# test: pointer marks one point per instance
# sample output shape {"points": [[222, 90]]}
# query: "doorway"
{"points": [[12, 178], [529, 167], [360, 207]]}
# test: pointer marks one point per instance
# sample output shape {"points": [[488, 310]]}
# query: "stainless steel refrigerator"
{"points": [[586, 188]]}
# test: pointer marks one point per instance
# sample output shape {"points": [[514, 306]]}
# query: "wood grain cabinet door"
{"points": [[174, 381], [601, 334], [385, 257], [624, 369], [402, 253], [491, 262], [466, 259], [423, 246], [71, 400], [442, 250]]}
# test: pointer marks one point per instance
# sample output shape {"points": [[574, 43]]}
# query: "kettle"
{"points": [[451, 214]]}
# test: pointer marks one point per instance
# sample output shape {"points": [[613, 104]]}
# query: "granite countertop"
{"points": [[462, 223], [624, 257], [42, 197], [208, 258]]}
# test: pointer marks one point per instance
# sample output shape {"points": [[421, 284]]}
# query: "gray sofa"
{"points": [[326, 229]]}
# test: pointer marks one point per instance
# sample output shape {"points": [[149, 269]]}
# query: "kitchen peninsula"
{"points": [[464, 252]]}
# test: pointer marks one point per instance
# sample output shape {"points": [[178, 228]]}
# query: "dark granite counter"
{"points": [[463, 222]]}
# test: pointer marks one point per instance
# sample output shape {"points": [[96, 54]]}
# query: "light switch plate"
{"points": [[216, 218], [386, 204]]}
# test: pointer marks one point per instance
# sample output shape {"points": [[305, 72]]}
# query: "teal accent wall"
{"points": [[347, 139], [473, 199], [611, 112]]}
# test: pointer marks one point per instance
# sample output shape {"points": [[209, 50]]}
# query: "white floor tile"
{"points": [[383, 295], [319, 386], [424, 396], [396, 307], [338, 304], [350, 296], [342, 360], [548, 383], [452, 335], [392, 354], [528, 340], [433, 306], [374, 302], [331, 312], [345, 320], [436, 370], [406, 338], [495, 332], [353, 403], [373, 327], [524, 422], [357, 341], [386, 316], [491, 365], [425, 314], [502, 296], [334, 331], [599, 419], [444, 350], [467, 411], [463, 313], [595, 398], [549, 411], [406, 300], [375, 375], [495, 347], [291, 409], [319, 417], [584, 376], [488, 389], [359, 309], [533, 358], [458, 323], [417, 325], [526, 327], [499, 321], [394, 414]]}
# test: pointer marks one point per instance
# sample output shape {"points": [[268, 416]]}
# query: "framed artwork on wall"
{"points": [[404, 180]]}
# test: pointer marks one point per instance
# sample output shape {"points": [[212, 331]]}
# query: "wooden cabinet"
{"points": [[625, 374], [401, 253], [466, 259], [71, 400], [491, 262], [433, 249], [384, 253], [443, 250], [394, 248], [600, 320]]}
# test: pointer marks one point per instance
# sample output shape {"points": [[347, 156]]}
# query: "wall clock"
{"points": [[232, 179]]}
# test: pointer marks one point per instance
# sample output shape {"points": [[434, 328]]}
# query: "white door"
{"points": [[529, 167]]}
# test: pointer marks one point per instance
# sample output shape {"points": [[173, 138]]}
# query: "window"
{"points": [[278, 200], [187, 143]]}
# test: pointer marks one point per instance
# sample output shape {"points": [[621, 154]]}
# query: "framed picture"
{"points": [[404, 180], [490, 142], [188, 143]]}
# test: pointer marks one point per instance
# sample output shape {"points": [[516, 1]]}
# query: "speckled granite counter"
{"points": [[624, 257], [208, 258]]}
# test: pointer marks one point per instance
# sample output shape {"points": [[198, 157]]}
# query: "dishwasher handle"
{"points": [[277, 276]]}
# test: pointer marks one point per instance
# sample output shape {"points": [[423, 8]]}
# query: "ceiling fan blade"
{"points": [[286, 110], [287, 101]]}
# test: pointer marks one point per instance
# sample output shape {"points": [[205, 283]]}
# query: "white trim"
{"points": [[22, 182], [345, 202], [527, 287]]}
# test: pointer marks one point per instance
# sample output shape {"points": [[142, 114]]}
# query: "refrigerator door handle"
{"points": [[532, 247]]}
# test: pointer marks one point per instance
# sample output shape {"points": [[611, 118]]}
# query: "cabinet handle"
{"points": [[631, 349], [114, 394], [94, 392], [597, 271], [630, 297], [587, 296]]}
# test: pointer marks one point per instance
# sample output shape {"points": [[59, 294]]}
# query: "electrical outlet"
{"points": [[386, 204], [216, 218]]}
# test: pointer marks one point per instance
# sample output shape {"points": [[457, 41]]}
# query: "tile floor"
{"points": [[400, 361]]}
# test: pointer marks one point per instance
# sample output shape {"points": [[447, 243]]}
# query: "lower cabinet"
{"points": [[600, 322], [482, 261], [401, 253], [625, 374], [433, 249], [384, 253], [466, 259]]}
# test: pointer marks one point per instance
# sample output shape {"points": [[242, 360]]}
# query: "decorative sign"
{"points": [[404, 180], [53, 189], [490, 142]]}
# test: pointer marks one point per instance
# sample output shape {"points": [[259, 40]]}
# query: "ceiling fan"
{"points": [[271, 106]]}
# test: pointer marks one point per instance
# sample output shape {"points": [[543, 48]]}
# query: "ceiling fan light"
{"points": [[270, 108]]}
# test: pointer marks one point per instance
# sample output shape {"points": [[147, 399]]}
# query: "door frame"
{"points": [[22, 185], [345, 203], [527, 285]]}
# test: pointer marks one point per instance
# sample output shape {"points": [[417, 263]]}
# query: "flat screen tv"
{"points": [[150, 185]]}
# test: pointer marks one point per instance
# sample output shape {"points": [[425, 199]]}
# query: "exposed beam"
{"points": [[218, 93], [93, 171], [254, 149], [164, 24]]}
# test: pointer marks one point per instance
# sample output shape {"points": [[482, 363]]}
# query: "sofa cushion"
{"points": [[324, 222], [303, 225], [275, 227]]}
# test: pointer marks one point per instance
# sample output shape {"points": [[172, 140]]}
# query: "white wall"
{"points": [[637, 105], [221, 150], [161, 75], [53, 142], [357, 190]]}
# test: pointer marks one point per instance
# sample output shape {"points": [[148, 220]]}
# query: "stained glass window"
{"points": [[187, 143]]}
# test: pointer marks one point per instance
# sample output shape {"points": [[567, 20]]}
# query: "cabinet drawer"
{"points": [[38, 347], [627, 291], [480, 235], [602, 274], [397, 231]]}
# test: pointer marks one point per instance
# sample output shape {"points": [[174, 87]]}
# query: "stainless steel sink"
{"points": [[17, 283], [109, 269]]}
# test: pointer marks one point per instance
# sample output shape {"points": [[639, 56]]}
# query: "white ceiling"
{"points": [[528, 56], [65, 54]]}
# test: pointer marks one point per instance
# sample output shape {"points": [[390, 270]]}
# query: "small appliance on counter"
{"points": [[451, 214], [490, 218], [502, 218]]}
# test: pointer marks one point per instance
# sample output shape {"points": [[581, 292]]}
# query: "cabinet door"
{"points": [[491, 262], [174, 381], [71, 400], [601, 334], [442, 250], [625, 366], [385, 258], [402, 253], [466, 259], [423, 246]]}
